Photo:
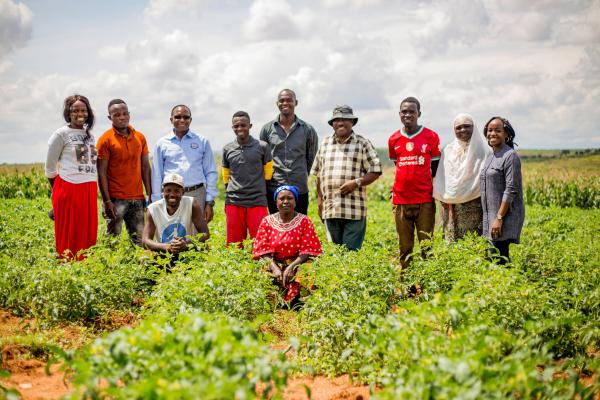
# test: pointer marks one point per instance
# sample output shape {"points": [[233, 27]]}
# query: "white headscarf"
{"points": [[457, 177]]}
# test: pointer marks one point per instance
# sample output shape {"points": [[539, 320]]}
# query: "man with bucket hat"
{"points": [[345, 164]]}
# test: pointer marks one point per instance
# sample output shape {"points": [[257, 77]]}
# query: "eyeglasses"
{"points": [[185, 117]]}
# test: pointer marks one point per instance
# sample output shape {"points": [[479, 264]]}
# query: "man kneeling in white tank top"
{"points": [[173, 219]]}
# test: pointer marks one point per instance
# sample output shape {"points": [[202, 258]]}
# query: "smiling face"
{"points": [[241, 127], [181, 118], [78, 114], [495, 133], [463, 130], [286, 102], [342, 127], [172, 193], [409, 115], [119, 115], [286, 202]]}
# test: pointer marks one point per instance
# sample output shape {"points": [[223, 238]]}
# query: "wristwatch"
{"points": [[358, 181], [210, 203], [498, 216]]}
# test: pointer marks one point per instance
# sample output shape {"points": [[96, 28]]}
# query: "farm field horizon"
{"points": [[214, 327]]}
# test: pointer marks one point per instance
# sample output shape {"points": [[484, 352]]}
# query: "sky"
{"points": [[535, 62]]}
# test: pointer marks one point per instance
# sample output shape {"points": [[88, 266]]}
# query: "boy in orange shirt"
{"points": [[123, 167]]}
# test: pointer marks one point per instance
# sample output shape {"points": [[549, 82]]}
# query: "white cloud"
{"points": [[222, 57], [15, 26], [160, 9], [275, 20]]}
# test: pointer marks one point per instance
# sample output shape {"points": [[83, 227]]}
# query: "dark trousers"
{"points": [[499, 252], [349, 232], [301, 204], [411, 217]]}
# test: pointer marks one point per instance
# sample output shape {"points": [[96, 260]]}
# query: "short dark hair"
{"points": [[181, 105], [115, 101], [411, 99], [510, 131], [287, 90], [241, 114], [69, 101]]}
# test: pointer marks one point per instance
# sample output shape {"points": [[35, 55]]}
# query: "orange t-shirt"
{"points": [[124, 156]]}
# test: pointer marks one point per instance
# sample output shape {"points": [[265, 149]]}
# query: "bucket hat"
{"points": [[343, 112]]}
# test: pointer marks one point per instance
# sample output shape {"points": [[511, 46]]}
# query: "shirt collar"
{"points": [[188, 134], [131, 131], [411, 135], [251, 141], [349, 139], [296, 120]]}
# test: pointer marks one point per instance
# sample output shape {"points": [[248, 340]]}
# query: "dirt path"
{"points": [[29, 378]]}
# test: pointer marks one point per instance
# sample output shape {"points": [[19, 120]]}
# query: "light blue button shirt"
{"points": [[191, 157]]}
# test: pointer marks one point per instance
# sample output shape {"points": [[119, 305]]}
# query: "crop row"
{"points": [[476, 331], [582, 192]]}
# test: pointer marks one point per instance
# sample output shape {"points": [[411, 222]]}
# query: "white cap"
{"points": [[173, 178]]}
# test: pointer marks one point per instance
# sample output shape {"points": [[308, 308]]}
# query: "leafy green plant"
{"points": [[205, 356]]}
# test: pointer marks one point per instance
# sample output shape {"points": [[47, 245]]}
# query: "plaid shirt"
{"points": [[337, 163]]}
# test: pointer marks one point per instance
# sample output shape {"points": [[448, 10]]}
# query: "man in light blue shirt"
{"points": [[188, 154]]}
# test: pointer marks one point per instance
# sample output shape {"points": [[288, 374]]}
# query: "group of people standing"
{"points": [[266, 181]]}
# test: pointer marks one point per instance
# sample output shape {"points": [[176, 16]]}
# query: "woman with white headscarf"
{"points": [[456, 185]]}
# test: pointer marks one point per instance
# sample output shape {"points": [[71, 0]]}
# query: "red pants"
{"points": [[241, 220], [75, 216]]}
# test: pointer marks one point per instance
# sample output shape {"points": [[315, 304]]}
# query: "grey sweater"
{"points": [[501, 181]]}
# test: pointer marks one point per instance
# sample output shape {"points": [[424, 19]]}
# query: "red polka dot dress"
{"points": [[286, 241]]}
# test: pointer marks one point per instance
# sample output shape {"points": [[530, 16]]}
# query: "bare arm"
{"points": [[199, 221], [434, 167], [276, 270], [290, 270], [319, 198], [352, 185], [109, 207], [146, 177], [148, 236]]}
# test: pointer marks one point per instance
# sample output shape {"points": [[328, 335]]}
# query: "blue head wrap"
{"points": [[289, 188]]}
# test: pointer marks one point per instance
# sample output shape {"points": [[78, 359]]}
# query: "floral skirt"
{"points": [[460, 219]]}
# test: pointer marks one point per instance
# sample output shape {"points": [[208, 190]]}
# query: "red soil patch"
{"points": [[29, 378], [322, 388]]}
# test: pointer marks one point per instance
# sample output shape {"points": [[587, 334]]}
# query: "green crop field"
{"points": [[214, 327]]}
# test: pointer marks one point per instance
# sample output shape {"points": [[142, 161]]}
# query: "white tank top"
{"points": [[170, 226]]}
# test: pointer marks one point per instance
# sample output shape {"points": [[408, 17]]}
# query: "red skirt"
{"points": [[75, 217]]}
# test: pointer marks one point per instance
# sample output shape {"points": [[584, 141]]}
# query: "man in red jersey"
{"points": [[416, 153]]}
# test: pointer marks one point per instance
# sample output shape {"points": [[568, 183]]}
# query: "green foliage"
{"points": [[223, 280], [350, 289], [34, 282], [477, 330], [28, 185], [193, 356], [582, 193]]}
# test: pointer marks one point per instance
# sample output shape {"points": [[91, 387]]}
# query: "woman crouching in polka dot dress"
{"points": [[285, 240]]}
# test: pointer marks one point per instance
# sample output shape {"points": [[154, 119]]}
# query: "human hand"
{"points": [[496, 228], [348, 187], [208, 212], [109, 211], [289, 274], [276, 272], [177, 245]]}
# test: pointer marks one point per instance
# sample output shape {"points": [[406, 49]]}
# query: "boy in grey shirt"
{"points": [[247, 164]]}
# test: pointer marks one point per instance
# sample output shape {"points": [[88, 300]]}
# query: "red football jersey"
{"points": [[413, 155]]}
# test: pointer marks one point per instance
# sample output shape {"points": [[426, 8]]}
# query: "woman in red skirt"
{"points": [[71, 170]]}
